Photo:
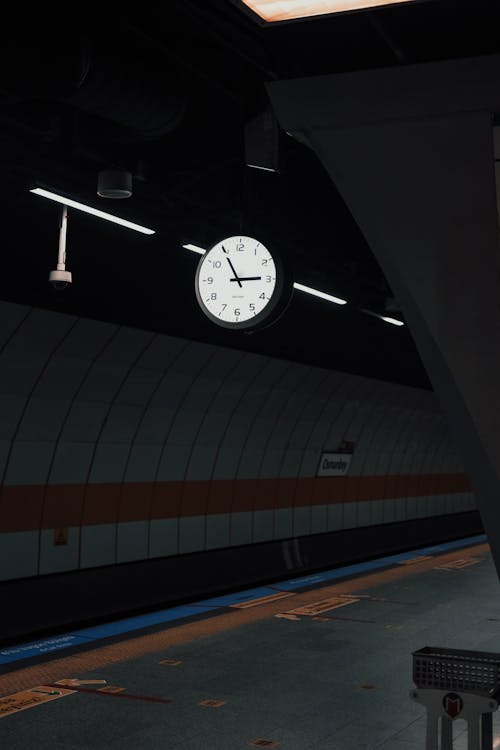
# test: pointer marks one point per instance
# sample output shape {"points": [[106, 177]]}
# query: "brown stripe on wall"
{"points": [[134, 501], [166, 498], [194, 498], [101, 504], [284, 489], [63, 505], [21, 508], [137, 501], [220, 497], [264, 495]]}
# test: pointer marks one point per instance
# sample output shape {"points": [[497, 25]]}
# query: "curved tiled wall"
{"points": [[141, 445]]}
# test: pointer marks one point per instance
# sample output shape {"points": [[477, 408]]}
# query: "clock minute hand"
{"points": [[247, 278], [235, 274]]}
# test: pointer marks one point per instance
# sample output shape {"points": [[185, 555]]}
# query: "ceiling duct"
{"points": [[262, 142], [113, 78]]}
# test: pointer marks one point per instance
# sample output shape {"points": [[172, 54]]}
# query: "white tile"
{"points": [[263, 525], [217, 530], [191, 534], [301, 520], [132, 541], [55, 558], [18, 554], [364, 512], [29, 463], [319, 519], [163, 540], [377, 512], [241, 528], [336, 516], [350, 516], [98, 545], [283, 523]]}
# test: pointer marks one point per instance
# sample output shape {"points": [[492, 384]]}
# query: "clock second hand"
{"points": [[235, 274]]}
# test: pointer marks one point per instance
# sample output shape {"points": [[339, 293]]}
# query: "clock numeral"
{"points": [[240, 247], [224, 306], [209, 280], [269, 279], [251, 306], [265, 261], [213, 295], [216, 263], [237, 311]]}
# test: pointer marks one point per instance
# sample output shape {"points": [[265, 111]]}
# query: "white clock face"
{"points": [[236, 282]]}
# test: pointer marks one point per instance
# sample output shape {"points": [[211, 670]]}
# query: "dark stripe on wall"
{"points": [[95, 595], [220, 604]]}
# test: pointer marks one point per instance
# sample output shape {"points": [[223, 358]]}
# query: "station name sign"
{"points": [[334, 464]]}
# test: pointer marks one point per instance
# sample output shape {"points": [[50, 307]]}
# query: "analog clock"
{"points": [[238, 283]]}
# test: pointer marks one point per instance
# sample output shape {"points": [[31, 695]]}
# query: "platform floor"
{"points": [[295, 672]]}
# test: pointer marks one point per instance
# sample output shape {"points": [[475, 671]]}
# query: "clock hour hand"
{"points": [[247, 278], [235, 274]]}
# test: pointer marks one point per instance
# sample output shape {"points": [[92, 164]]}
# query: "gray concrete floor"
{"points": [[304, 685]]}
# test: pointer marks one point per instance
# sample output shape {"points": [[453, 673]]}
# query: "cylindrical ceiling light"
{"points": [[114, 183]]}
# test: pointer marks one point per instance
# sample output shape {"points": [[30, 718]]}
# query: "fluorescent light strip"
{"points": [[296, 285], [386, 318], [264, 169], [300, 287], [317, 293], [195, 249], [89, 210], [394, 321], [285, 10]]}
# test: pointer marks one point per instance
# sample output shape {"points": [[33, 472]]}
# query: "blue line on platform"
{"points": [[382, 562], [226, 600], [39, 648], [170, 614], [129, 624]]}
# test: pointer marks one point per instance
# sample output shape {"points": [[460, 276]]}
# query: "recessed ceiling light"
{"points": [[90, 210], [286, 10], [317, 293]]}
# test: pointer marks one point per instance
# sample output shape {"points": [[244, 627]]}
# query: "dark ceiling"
{"points": [[166, 94]]}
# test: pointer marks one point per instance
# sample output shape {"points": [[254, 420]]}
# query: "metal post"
{"points": [[474, 733], [457, 684], [446, 733], [486, 731], [475, 709], [61, 256], [431, 735]]}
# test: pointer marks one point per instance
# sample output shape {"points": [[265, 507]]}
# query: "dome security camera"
{"points": [[60, 279]]}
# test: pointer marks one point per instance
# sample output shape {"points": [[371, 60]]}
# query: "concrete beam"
{"points": [[411, 151]]}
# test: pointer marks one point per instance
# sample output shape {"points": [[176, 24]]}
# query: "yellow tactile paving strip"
{"points": [[463, 562], [324, 605], [98, 658]]}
